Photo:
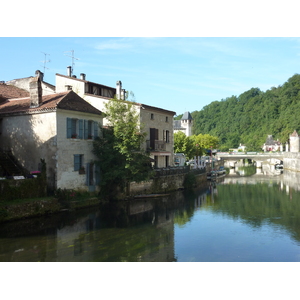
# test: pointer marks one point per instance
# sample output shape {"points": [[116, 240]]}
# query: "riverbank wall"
{"points": [[167, 183], [291, 161]]}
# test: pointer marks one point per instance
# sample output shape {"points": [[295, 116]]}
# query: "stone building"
{"points": [[185, 124], [23, 83], [157, 122], [294, 142], [272, 145], [58, 128]]}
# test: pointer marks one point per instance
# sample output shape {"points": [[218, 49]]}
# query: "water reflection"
{"points": [[236, 218]]}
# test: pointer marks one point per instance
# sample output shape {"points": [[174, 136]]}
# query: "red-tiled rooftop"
{"points": [[68, 100], [10, 91]]}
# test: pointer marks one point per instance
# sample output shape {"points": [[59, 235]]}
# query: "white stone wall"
{"points": [[30, 138], [67, 178], [62, 82]]}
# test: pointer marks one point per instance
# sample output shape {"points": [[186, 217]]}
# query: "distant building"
{"points": [[272, 145], [184, 125], [294, 142]]}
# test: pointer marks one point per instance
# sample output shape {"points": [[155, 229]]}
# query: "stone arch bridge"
{"points": [[259, 158]]}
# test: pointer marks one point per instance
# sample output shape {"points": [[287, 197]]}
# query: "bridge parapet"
{"points": [[250, 155]]}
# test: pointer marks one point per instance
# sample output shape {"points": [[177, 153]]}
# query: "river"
{"points": [[236, 219]]}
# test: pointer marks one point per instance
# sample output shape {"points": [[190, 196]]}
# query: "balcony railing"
{"points": [[156, 145]]}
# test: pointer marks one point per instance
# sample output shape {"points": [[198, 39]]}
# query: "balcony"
{"points": [[156, 145]]}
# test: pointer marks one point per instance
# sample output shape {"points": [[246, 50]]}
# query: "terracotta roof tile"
{"points": [[66, 100], [10, 91]]}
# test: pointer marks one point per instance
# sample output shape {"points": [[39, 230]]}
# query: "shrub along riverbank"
{"points": [[25, 208]]}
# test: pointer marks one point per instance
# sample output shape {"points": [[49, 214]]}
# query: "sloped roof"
{"points": [[66, 100], [270, 141], [177, 125], [10, 91], [295, 134], [186, 116]]}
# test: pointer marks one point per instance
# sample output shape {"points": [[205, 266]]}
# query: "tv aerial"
{"points": [[73, 58], [45, 61]]}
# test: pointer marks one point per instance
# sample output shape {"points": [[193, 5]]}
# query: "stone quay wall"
{"points": [[164, 184], [291, 161]]}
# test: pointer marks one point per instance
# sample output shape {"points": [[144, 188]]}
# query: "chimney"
{"points": [[69, 71], [123, 94], [82, 76], [39, 74], [36, 92], [119, 89]]}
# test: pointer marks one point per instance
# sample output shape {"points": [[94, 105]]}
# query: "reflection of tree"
{"points": [[184, 213], [258, 204]]}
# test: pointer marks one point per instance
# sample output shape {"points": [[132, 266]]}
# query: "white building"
{"points": [[59, 128], [185, 124], [157, 122]]}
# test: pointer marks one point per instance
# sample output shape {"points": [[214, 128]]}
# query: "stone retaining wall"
{"points": [[163, 184], [291, 161]]}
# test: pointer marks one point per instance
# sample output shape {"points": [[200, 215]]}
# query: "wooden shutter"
{"points": [[86, 129], [80, 132], [77, 162], [69, 128], [95, 129]]}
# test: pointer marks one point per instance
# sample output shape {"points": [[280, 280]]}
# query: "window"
{"points": [[78, 162], [152, 117], [167, 136], [167, 119], [81, 129]]}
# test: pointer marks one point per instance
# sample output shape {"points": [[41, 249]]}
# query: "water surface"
{"points": [[237, 219]]}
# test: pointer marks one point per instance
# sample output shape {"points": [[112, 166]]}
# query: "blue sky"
{"points": [[178, 74], [177, 56]]}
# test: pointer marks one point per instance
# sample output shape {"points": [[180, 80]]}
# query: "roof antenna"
{"points": [[45, 61], [72, 56]]}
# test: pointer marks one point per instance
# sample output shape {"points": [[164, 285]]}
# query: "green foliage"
{"points": [[189, 180], [119, 150], [249, 118], [194, 145], [24, 188]]}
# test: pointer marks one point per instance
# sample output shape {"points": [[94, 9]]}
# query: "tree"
{"points": [[119, 150]]}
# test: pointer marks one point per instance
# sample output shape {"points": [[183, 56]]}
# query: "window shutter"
{"points": [[86, 129], [80, 132], [76, 162], [95, 129], [87, 174], [69, 128]]}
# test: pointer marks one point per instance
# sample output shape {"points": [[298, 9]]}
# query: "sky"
{"points": [[175, 56], [175, 73]]}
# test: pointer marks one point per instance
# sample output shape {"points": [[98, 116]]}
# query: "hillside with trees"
{"points": [[250, 117]]}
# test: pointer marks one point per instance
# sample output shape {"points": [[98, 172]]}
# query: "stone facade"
{"points": [[294, 142], [184, 125], [156, 122], [45, 131]]}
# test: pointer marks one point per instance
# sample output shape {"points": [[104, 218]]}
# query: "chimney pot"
{"points": [[118, 89], [82, 76], [69, 71]]}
